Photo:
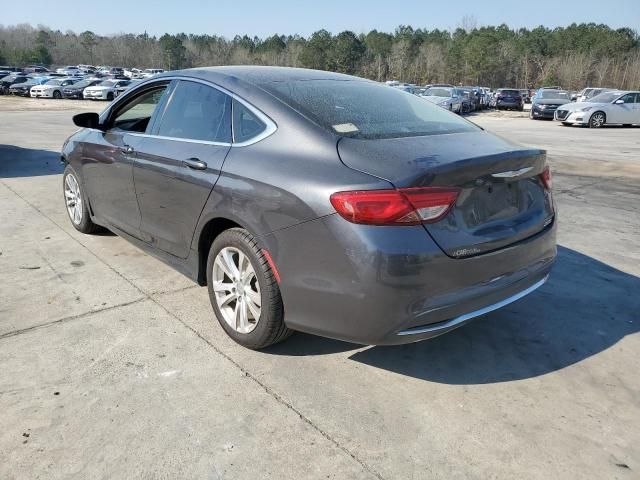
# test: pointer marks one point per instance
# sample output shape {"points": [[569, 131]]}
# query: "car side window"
{"points": [[629, 98], [134, 115], [246, 124], [197, 112]]}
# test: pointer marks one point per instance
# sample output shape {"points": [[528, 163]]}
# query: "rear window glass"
{"points": [[509, 92], [366, 110]]}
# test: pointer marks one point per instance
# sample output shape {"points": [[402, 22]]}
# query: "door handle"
{"points": [[195, 164], [127, 149]]}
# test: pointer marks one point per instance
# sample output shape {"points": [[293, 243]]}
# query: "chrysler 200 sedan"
{"points": [[314, 201]]}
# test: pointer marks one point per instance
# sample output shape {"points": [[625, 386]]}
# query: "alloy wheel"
{"points": [[73, 198], [236, 289], [597, 120]]}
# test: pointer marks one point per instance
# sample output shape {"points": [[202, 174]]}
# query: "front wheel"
{"points": [[57, 95], [597, 120], [244, 292], [76, 202], [110, 96]]}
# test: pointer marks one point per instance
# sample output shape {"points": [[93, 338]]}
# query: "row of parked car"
{"points": [[593, 107], [79, 82]]}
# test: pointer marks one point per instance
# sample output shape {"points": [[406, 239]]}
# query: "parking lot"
{"points": [[113, 364]]}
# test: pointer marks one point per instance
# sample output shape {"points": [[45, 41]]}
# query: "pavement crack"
{"points": [[69, 318]]}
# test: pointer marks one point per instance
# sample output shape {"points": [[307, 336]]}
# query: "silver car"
{"points": [[444, 97], [615, 107]]}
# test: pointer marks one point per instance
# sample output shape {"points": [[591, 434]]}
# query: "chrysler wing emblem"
{"points": [[511, 173]]}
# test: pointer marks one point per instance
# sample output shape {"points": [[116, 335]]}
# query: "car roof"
{"points": [[263, 74]]}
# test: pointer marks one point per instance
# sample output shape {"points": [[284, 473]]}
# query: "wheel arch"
{"points": [[208, 233]]}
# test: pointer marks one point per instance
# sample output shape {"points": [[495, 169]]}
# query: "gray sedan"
{"points": [[313, 201]]}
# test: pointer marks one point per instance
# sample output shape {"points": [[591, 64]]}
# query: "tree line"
{"points": [[495, 56]]}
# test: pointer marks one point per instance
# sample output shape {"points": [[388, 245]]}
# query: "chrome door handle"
{"points": [[195, 164], [128, 149]]}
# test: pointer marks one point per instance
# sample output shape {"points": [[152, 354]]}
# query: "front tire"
{"points": [[110, 96], [244, 292], [76, 202], [597, 120], [57, 95]]}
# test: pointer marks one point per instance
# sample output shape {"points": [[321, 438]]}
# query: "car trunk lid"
{"points": [[502, 198]]}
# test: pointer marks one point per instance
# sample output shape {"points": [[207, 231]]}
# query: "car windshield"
{"points": [[366, 110], [558, 94], [107, 83], [438, 92], [54, 82], [606, 97]]}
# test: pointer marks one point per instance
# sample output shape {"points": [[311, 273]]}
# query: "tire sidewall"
{"points": [[239, 238]]}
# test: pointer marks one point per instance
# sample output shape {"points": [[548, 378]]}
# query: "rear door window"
{"points": [[197, 112]]}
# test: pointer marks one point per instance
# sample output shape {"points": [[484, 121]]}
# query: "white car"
{"points": [[132, 72], [105, 90], [614, 107], [444, 97], [69, 70], [150, 72], [52, 88]]}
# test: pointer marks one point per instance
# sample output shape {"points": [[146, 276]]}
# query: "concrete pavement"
{"points": [[114, 367]]}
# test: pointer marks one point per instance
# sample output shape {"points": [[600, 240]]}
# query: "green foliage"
{"points": [[496, 56], [173, 50]]}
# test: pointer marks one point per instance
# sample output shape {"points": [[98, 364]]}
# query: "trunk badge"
{"points": [[511, 173]]}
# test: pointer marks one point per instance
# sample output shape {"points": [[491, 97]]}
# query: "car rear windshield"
{"points": [[555, 94], [509, 92], [438, 92], [366, 110]]}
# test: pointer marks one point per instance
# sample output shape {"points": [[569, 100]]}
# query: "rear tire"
{"points": [[76, 202], [234, 289], [597, 120]]}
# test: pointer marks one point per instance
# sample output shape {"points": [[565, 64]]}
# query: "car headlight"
{"points": [[585, 109]]}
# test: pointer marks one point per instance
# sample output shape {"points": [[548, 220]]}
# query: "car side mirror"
{"points": [[619, 102], [87, 120]]}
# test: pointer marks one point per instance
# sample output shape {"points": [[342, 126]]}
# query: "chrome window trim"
{"points": [[454, 322], [178, 139], [270, 129]]}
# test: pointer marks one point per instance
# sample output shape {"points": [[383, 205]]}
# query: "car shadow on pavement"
{"points": [[584, 308], [26, 162]]}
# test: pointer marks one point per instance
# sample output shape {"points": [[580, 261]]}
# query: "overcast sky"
{"points": [[265, 17]]}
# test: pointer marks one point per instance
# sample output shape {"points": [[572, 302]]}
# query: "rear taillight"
{"points": [[545, 176], [404, 206]]}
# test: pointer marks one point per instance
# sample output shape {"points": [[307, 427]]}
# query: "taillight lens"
{"points": [[404, 206], [545, 176]]}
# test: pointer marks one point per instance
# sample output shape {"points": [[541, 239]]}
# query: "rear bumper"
{"points": [[394, 285]]}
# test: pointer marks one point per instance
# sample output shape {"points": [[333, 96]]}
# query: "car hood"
{"points": [[574, 107]]}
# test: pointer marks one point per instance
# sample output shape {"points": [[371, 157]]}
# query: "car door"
{"points": [[636, 110], [622, 112], [179, 163], [109, 156]]}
